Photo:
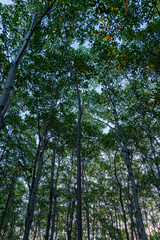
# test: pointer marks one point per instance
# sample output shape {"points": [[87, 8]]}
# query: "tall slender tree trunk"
{"points": [[70, 220], [121, 200], [127, 159], [55, 200], [12, 228], [93, 223], [51, 194], [33, 190], [87, 208], [79, 191], [35, 231], [79, 174], [9, 84], [130, 209], [37, 175], [12, 187], [71, 205], [146, 124], [86, 196]]}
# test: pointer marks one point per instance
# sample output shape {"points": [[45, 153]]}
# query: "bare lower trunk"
{"points": [[70, 220], [121, 201], [37, 175], [71, 205], [127, 156], [79, 191], [34, 187], [55, 201], [135, 196], [86, 196], [13, 183], [87, 209], [51, 194]]}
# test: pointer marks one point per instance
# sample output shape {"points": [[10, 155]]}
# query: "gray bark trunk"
{"points": [[37, 176], [86, 195], [55, 201], [9, 84], [71, 205], [51, 194], [34, 187], [127, 158], [79, 190], [13, 184], [121, 200]]}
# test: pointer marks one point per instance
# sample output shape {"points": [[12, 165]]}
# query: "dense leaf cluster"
{"points": [[88, 82]]}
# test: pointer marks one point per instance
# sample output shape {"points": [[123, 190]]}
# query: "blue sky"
{"points": [[5, 1]]}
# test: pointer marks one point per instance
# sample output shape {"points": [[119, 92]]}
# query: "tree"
{"points": [[81, 124]]}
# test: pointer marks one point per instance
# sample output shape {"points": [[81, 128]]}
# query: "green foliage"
{"points": [[117, 57]]}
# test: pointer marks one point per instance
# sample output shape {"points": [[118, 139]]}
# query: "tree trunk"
{"points": [[130, 209], [9, 84], [71, 205], [70, 221], [87, 209], [127, 159], [37, 175], [121, 199], [55, 200], [51, 194], [13, 184], [34, 187], [86, 196], [79, 191]]}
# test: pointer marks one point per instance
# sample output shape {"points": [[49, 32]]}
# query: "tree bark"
{"points": [[127, 159], [13, 184], [79, 190], [70, 220], [71, 205], [37, 175], [51, 194], [86, 195], [55, 200], [9, 84], [121, 200]]}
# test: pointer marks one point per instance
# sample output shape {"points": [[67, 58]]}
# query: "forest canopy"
{"points": [[80, 120]]}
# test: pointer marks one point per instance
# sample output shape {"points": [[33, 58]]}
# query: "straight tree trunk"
{"points": [[127, 159], [12, 187], [34, 187], [55, 201], [87, 208], [71, 205], [51, 194], [130, 209], [12, 228], [146, 124], [79, 191], [35, 231], [93, 224], [121, 200], [70, 220], [117, 223], [86, 196], [37, 175]]}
